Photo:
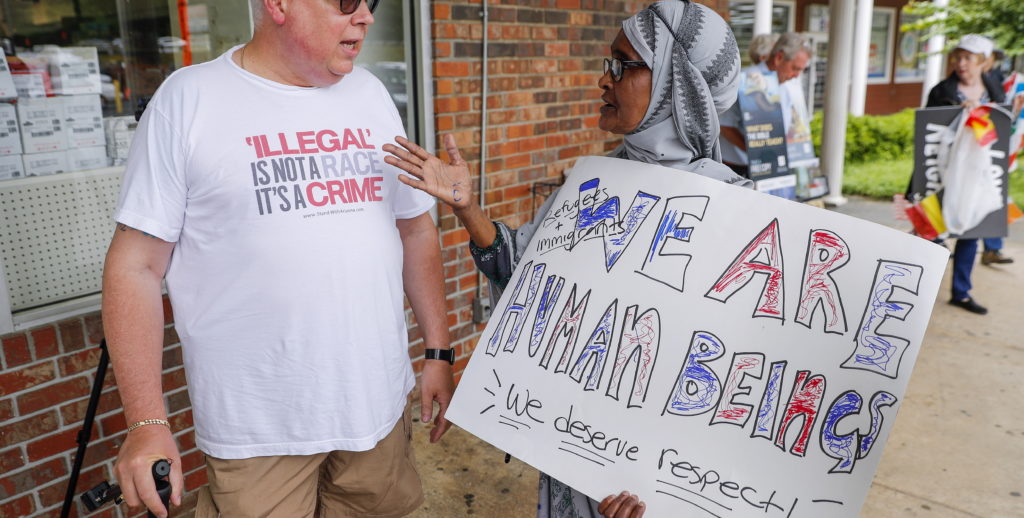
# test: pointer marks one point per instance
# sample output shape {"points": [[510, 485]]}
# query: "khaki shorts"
{"points": [[381, 483]]}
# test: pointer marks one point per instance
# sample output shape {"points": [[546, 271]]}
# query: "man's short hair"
{"points": [[790, 44], [761, 47], [256, 6]]}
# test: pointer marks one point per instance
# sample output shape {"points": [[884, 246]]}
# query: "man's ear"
{"points": [[276, 10]]}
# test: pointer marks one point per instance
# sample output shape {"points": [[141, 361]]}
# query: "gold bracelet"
{"points": [[144, 422]]}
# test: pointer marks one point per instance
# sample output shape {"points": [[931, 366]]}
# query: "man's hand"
{"points": [[422, 275], [436, 385], [624, 505], [133, 469]]}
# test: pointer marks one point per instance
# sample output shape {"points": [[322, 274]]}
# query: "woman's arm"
{"points": [[449, 182]]}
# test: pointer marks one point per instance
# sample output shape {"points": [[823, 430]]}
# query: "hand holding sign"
{"points": [[623, 505]]}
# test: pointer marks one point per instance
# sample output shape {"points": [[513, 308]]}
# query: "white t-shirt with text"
{"points": [[286, 275]]}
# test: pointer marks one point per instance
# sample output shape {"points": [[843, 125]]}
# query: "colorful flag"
{"points": [[1013, 85], [926, 217], [980, 122]]}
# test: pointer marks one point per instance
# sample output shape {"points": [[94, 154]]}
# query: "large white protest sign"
{"points": [[718, 351]]}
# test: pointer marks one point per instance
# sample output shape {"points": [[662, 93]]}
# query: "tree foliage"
{"points": [[1001, 20]]}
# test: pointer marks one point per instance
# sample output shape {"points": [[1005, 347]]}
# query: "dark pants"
{"points": [[963, 263], [993, 243]]}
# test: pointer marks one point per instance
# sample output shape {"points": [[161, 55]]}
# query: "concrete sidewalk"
{"points": [[956, 451]]}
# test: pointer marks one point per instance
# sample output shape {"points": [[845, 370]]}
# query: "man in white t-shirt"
{"points": [[257, 187], [788, 58]]}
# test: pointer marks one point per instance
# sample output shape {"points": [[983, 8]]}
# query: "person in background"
{"points": [[671, 46], [295, 339], [966, 86], [761, 47], [789, 56], [994, 68], [992, 252]]}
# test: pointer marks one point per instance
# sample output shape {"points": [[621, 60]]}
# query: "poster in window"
{"points": [[880, 53], [909, 46], [761, 102]]}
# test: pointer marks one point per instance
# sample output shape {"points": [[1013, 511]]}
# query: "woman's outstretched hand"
{"points": [[449, 182], [623, 505]]}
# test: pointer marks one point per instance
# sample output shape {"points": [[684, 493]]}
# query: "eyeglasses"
{"points": [[350, 6], [616, 66]]}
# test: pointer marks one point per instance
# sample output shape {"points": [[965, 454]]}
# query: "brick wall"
{"points": [[891, 98], [544, 62], [45, 381]]}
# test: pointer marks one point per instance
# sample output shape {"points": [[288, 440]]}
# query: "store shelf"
{"points": [[54, 233]]}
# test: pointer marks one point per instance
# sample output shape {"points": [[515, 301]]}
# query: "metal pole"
{"points": [[861, 50], [837, 95], [933, 63], [762, 17], [85, 434], [484, 91]]}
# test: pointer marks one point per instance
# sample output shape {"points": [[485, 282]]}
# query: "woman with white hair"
{"points": [[674, 68]]}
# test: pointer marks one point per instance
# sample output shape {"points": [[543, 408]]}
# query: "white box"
{"points": [[119, 131], [41, 164], [32, 77], [41, 124], [86, 158], [29, 84], [7, 88], [74, 70], [10, 136], [11, 167], [83, 119]]}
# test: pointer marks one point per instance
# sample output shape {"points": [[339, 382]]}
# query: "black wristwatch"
{"points": [[447, 355]]}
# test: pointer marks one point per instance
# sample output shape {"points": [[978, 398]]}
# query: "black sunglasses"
{"points": [[350, 6], [616, 66]]}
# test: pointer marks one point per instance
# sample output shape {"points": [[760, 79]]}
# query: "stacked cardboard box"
{"points": [[42, 134]]}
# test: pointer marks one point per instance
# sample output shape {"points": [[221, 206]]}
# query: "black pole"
{"points": [[85, 434]]}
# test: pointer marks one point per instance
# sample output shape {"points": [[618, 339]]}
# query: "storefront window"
{"points": [[75, 74], [880, 54], [910, 46], [387, 53]]}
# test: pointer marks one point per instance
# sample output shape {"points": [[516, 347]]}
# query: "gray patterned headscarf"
{"points": [[695, 65]]}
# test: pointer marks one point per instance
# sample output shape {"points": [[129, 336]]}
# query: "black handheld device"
{"points": [[105, 492]]}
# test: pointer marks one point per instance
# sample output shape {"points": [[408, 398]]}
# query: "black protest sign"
{"points": [[930, 124]]}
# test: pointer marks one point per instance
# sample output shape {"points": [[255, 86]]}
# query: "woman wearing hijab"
{"points": [[674, 68]]}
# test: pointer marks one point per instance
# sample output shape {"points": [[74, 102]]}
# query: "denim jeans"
{"points": [[963, 263], [993, 243]]}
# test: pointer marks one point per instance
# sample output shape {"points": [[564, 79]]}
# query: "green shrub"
{"points": [[873, 137], [1017, 187], [878, 178]]}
